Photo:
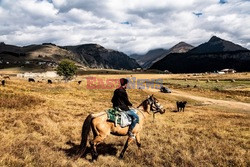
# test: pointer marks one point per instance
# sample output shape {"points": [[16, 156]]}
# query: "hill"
{"points": [[47, 54], [216, 54], [216, 45], [146, 60], [96, 56], [155, 55]]}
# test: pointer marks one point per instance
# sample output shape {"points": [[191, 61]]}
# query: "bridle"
{"points": [[154, 106]]}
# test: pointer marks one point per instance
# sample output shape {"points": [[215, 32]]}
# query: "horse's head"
{"points": [[154, 105]]}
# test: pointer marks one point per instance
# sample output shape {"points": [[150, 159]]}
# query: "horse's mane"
{"points": [[144, 104]]}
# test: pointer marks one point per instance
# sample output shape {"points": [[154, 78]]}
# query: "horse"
{"points": [[49, 81], [101, 128]]}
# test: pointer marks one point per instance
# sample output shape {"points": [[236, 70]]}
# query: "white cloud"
{"points": [[153, 24]]}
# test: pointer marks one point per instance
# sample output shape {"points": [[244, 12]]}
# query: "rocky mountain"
{"points": [[181, 47], [216, 54], [155, 55], [89, 55], [145, 60], [216, 45], [96, 56]]}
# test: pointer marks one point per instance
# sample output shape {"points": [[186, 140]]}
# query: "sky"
{"points": [[130, 26]]}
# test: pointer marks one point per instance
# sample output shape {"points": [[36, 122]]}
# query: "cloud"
{"points": [[131, 26]]}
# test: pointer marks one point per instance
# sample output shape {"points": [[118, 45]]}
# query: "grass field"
{"points": [[41, 126], [225, 89]]}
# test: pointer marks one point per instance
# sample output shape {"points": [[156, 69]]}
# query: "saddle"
{"points": [[118, 117]]}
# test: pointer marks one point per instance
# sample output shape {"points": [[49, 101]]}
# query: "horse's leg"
{"points": [[129, 140], [94, 130], [153, 117], [138, 142], [97, 140]]}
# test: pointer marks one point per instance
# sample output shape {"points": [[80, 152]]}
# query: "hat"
{"points": [[123, 81]]}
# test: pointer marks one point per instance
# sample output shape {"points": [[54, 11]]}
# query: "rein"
{"points": [[141, 111]]}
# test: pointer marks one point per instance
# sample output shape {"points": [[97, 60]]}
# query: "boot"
{"points": [[130, 134]]}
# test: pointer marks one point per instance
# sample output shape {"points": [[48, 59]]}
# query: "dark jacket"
{"points": [[120, 99]]}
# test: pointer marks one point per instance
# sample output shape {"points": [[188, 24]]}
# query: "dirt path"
{"points": [[209, 101]]}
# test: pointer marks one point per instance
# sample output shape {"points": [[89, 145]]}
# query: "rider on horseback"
{"points": [[120, 100]]}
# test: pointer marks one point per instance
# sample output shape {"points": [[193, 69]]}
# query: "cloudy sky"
{"points": [[131, 26]]}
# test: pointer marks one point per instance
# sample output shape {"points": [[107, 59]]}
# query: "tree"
{"points": [[67, 69]]}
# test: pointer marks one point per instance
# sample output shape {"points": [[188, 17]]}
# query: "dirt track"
{"points": [[210, 101]]}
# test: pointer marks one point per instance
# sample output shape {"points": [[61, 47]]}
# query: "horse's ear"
{"points": [[148, 96], [152, 95]]}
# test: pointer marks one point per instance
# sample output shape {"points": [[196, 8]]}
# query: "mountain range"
{"points": [[86, 55], [96, 56], [214, 55], [152, 56]]}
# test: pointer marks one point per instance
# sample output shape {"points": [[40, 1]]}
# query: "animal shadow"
{"points": [[102, 149]]}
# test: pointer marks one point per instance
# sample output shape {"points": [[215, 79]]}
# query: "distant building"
{"points": [[41, 63], [166, 71], [228, 71], [221, 72], [48, 74]]}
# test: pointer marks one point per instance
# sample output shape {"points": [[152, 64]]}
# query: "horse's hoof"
{"points": [[94, 157], [121, 157]]}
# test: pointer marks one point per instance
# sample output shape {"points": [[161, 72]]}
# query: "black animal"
{"points": [[79, 82], [165, 90], [181, 105], [31, 80], [3, 82], [49, 81]]}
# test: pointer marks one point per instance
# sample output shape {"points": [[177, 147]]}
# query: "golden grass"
{"points": [[11, 100], [45, 132]]}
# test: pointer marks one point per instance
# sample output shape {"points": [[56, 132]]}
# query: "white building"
{"points": [[48, 74]]}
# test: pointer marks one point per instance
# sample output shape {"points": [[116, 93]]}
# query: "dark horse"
{"points": [[101, 128]]}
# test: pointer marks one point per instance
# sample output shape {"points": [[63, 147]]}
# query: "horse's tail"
{"points": [[85, 133]]}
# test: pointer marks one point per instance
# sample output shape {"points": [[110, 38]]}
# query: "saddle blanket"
{"points": [[119, 117]]}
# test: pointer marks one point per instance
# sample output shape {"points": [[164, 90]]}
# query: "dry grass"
{"points": [[11, 100], [224, 89], [44, 129]]}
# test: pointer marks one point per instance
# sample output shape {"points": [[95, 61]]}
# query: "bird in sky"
{"points": [[223, 1], [198, 14]]}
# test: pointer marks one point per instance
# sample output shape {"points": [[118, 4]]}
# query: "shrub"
{"points": [[67, 69]]}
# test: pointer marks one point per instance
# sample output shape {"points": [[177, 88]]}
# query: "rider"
{"points": [[120, 100]]}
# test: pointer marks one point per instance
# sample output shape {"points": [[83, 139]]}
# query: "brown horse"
{"points": [[101, 128]]}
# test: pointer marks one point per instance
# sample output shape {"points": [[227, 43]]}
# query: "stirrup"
{"points": [[130, 134]]}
